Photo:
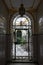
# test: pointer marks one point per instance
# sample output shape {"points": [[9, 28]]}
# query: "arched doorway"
{"points": [[22, 47]]}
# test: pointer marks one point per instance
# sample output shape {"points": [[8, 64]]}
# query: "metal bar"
{"points": [[20, 29], [21, 25]]}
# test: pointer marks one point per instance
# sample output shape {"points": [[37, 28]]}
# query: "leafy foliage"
{"points": [[21, 40]]}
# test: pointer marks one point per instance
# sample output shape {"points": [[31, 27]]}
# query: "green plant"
{"points": [[21, 40]]}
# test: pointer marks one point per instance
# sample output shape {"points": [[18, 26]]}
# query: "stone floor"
{"points": [[22, 64]]}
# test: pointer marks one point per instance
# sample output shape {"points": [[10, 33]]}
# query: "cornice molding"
{"points": [[31, 10]]}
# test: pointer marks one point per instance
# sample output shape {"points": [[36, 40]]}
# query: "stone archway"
{"points": [[15, 16]]}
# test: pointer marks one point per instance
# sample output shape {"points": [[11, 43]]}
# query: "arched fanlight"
{"points": [[21, 9]]}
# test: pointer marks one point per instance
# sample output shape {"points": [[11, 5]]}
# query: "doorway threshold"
{"points": [[21, 61]]}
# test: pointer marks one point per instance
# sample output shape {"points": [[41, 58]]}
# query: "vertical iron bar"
{"points": [[28, 43]]}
